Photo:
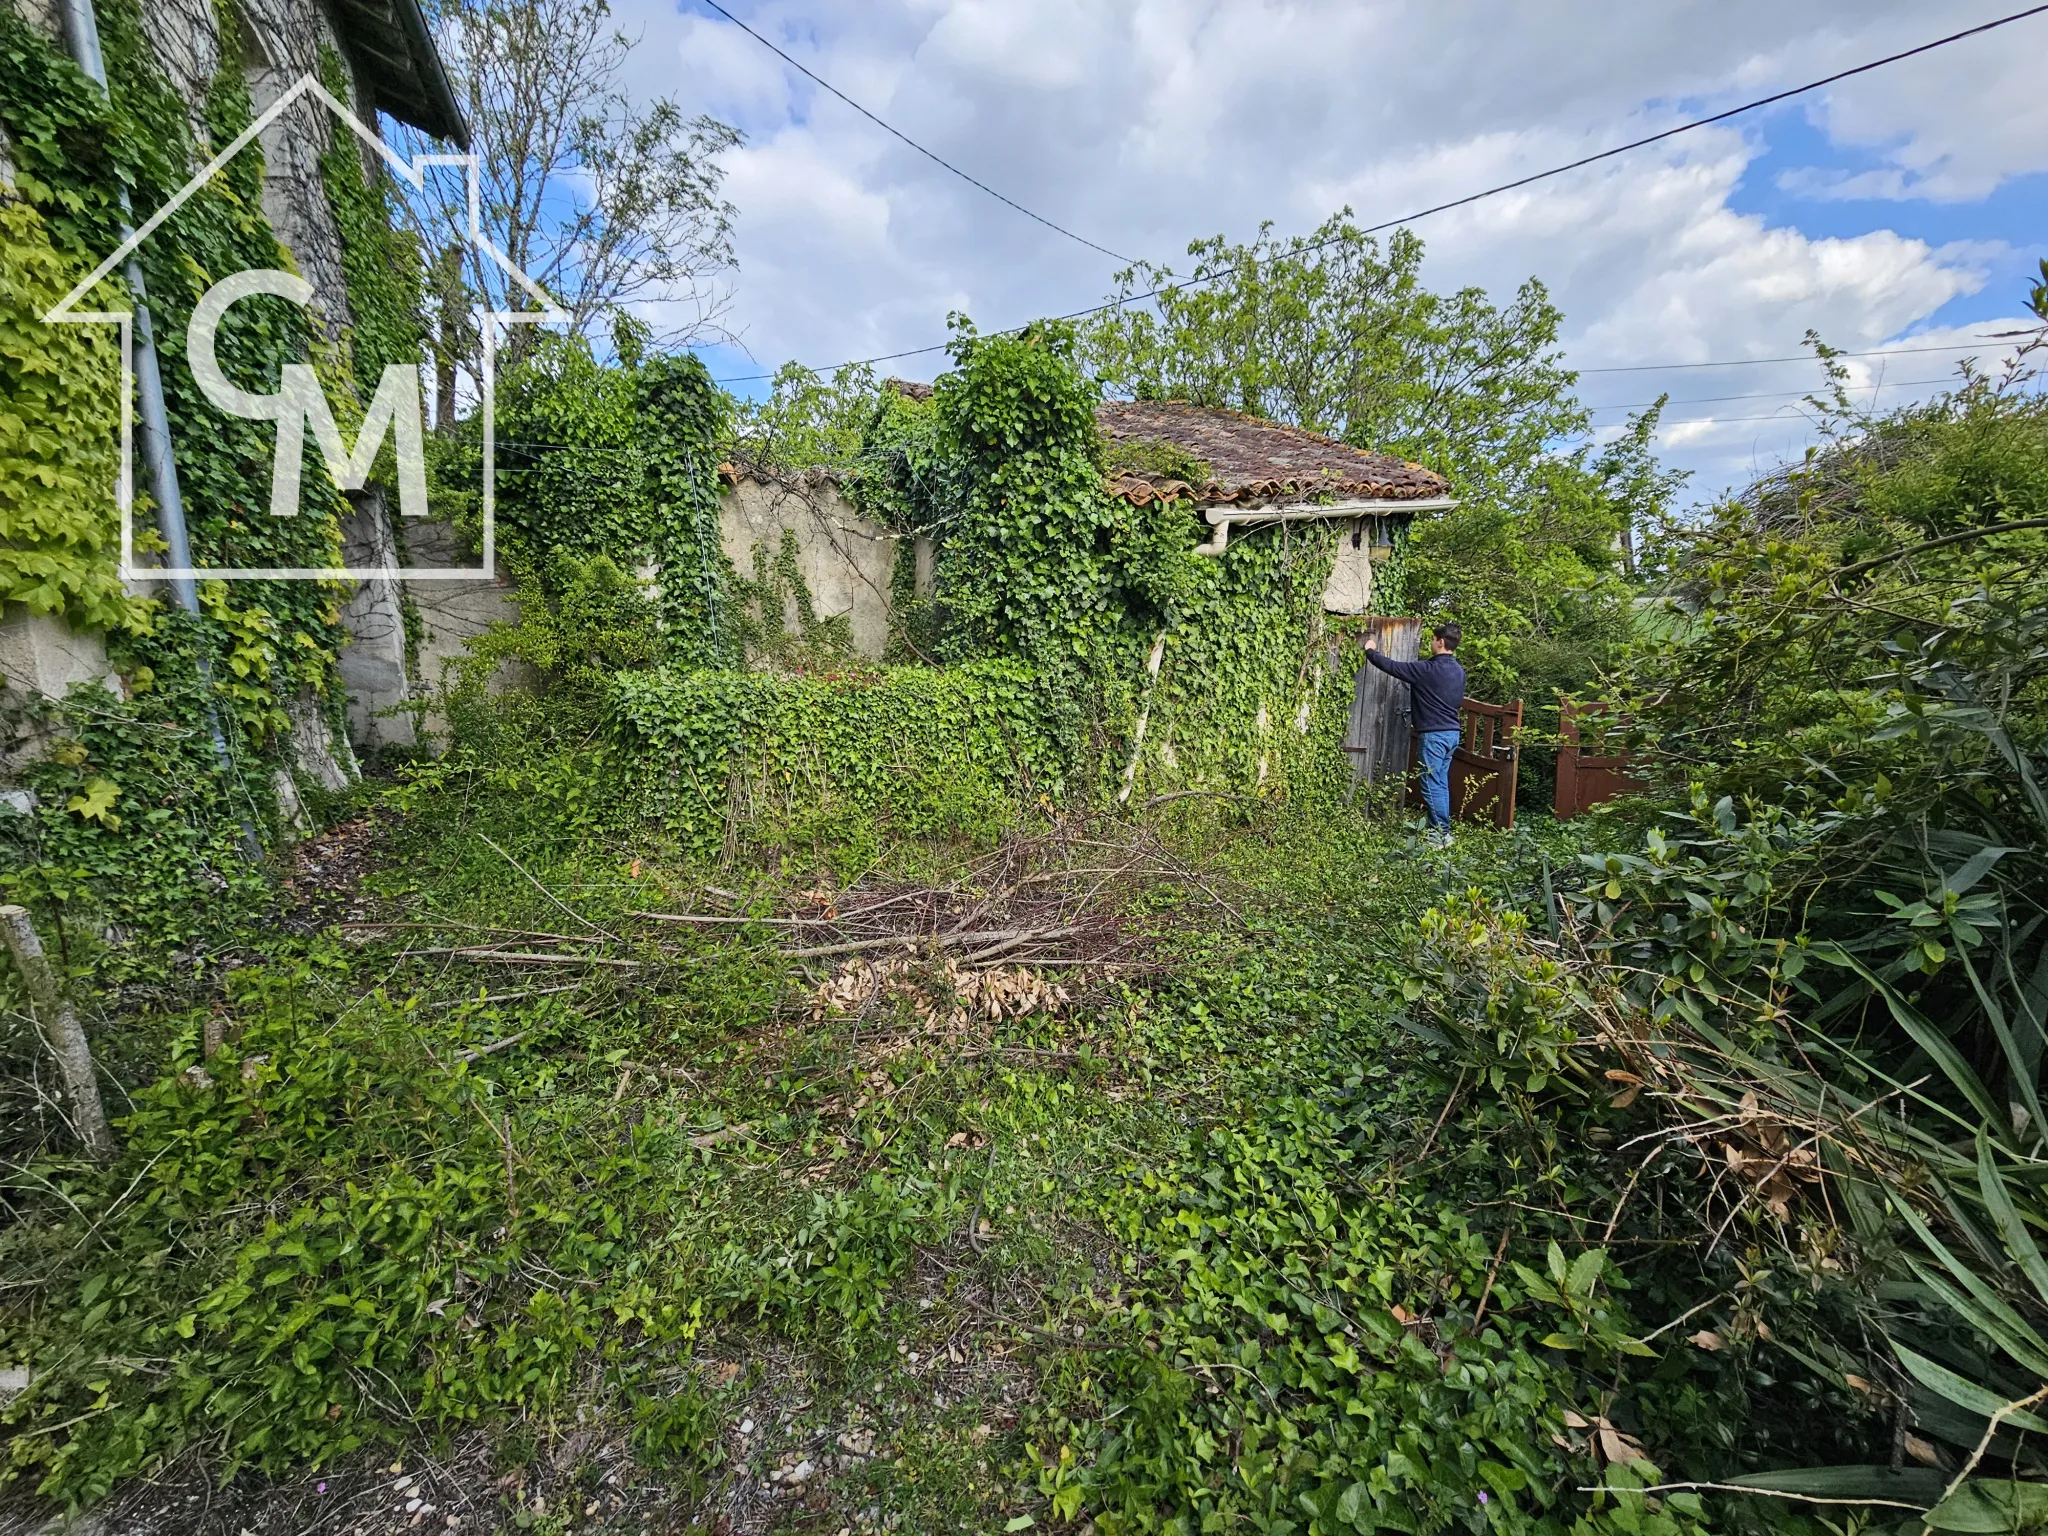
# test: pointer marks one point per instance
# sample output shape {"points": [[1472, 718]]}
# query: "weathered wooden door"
{"points": [[1378, 736]]}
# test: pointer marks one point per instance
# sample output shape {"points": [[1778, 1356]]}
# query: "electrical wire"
{"points": [[826, 85], [1783, 413], [1773, 394], [1445, 207], [1807, 357]]}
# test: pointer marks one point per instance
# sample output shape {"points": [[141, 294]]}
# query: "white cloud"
{"points": [[1143, 123]]}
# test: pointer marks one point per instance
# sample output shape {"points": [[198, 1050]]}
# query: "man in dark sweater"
{"points": [[1436, 687]]}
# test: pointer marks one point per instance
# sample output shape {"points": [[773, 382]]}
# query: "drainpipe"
{"points": [[82, 33]]}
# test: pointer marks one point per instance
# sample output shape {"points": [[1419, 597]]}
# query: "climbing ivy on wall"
{"points": [[1035, 560], [1004, 467], [620, 461], [137, 813], [1390, 576], [1245, 698], [58, 446], [74, 148], [840, 761]]}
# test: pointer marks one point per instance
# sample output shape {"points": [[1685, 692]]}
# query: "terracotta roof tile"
{"points": [[1252, 459]]}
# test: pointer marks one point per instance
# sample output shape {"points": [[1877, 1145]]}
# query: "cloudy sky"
{"points": [[1899, 211]]}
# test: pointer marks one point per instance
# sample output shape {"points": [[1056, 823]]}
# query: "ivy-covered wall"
{"points": [[846, 760], [1002, 468], [129, 825], [620, 461]]}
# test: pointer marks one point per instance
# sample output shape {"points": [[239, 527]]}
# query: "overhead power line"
{"points": [[1445, 207], [1775, 394], [1784, 413], [1808, 357], [826, 85]]}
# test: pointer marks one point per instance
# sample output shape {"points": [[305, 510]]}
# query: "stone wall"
{"points": [[844, 558], [281, 41], [447, 615]]}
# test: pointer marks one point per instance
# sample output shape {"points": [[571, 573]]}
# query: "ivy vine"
{"points": [[134, 827]]}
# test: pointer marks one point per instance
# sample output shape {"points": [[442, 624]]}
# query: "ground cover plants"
{"points": [[501, 1153]]}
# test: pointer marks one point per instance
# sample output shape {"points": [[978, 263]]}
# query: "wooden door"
{"points": [[1378, 735]]}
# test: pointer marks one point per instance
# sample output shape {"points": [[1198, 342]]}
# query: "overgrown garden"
{"points": [[732, 1086]]}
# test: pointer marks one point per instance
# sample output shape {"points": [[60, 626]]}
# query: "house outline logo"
{"points": [[413, 173]]}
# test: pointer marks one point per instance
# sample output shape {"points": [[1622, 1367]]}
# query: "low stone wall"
{"points": [[845, 560], [448, 615]]}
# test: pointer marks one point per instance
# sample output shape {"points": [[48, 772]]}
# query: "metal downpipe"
{"points": [[82, 35]]}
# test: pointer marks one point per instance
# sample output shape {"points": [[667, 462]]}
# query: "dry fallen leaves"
{"points": [[947, 996]]}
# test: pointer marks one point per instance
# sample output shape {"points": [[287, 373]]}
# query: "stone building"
{"points": [[1263, 473], [389, 67]]}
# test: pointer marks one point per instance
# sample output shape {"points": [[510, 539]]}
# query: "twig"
{"points": [[494, 1047], [680, 1074], [520, 957], [1183, 794], [510, 997], [1614, 1220], [551, 896], [1499, 1253], [1952, 538], [1762, 1493], [652, 1069], [1688, 1312], [448, 923], [1449, 1104], [710, 919], [1991, 1429]]}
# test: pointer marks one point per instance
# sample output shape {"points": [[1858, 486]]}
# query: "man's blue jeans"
{"points": [[1437, 747]]}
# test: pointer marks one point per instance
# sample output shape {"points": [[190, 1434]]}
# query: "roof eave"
{"points": [[416, 91], [1308, 512], [440, 92]]}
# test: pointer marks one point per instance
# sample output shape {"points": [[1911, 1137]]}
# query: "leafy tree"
{"points": [[807, 421], [1332, 333]]}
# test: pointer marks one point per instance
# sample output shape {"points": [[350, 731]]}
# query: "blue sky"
{"points": [[1903, 209]]}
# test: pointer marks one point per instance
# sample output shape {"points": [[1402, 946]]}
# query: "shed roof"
{"points": [[395, 54], [1255, 460]]}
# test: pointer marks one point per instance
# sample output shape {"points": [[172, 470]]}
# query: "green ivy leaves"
{"points": [[59, 441]]}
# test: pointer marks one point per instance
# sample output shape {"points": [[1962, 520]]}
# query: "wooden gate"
{"points": [[1378, 736], [1485, 764], [1586, 779]]}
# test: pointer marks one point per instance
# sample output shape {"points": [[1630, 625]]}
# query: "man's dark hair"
{"points": [[1450, 634]]}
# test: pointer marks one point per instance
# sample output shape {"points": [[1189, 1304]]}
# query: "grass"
{"points": [[689, 1240]]}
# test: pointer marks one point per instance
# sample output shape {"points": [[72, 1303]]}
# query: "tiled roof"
{"points": [[1251, 459]]}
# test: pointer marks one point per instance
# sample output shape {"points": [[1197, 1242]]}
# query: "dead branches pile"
{"points": [[1057, 901]]}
